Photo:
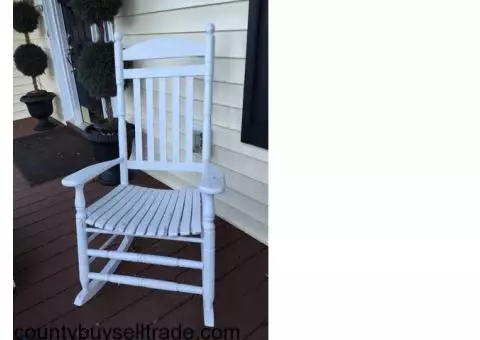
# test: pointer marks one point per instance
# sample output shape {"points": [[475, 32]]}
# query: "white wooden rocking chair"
{"points": [[132, 211]]}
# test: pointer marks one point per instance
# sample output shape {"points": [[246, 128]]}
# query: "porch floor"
{"points": [[46, 276]]}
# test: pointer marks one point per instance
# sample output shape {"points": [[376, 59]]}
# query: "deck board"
{"points": [[46, 274]]}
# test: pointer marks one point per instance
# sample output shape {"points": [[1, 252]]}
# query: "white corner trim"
{"points": [[57, 40]]}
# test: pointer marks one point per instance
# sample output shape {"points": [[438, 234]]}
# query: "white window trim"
{"points": [[57, 40]]}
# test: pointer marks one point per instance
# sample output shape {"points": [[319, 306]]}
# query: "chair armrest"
{"points": [[213, 180], [86, 174]]}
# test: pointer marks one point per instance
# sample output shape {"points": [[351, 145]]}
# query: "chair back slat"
{"points": [[163, 103], [189, 120], [162, 119], [137, 101], [150, 133], [176, 119]]}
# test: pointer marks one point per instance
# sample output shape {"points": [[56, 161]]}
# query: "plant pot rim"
{"points": [[92, 134], [29, 97]]}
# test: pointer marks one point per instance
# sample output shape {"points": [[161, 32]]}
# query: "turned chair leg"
{"points": [[82, 243], [208, 259], [208, 276]]}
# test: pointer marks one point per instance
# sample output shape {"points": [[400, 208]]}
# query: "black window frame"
{"points": [[255, 97]]}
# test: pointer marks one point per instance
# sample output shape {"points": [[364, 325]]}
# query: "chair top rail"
{"points": [[180, 71], [164, 47]]}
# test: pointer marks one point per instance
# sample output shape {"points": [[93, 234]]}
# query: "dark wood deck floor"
{"points": [[45, 270]]}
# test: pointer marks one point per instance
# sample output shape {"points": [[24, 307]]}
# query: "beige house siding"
{"points": [[23, 84], [245, 202]]}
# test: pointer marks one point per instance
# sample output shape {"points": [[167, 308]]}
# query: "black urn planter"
{"points": [[105, 148], [39, 104]]}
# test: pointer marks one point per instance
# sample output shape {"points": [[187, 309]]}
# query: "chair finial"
{"points": [[118, 36], [210, 28]]}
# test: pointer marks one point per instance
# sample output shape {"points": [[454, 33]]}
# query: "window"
{"points": [[255, 97]]}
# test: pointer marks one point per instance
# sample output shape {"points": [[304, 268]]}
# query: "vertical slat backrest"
{"points": [[162, 119], [137, 102], [174, 86], [150, 135], [176, 119], [189, 120]]}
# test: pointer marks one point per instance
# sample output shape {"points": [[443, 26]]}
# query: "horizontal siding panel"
{"points": [[17, 96], [248, 166], [40, 42], [148, 6], [20, 114], [231, 214], [38, 34], [227, 17], [19, 76], [247, 186], [230, 139], [17, 107], [244, 222], [227, 44], [22, 82], [246, 205]]}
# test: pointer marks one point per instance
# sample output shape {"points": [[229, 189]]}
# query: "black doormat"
{"points": [[42, 157]]}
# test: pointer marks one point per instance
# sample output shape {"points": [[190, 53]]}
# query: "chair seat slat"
{"points": [[174, 227], [105, 199], [196, 213], [120, 210], [157, 217], [126, 222], [187, 214], [167, 216], [140, 222], [152, 212], [111, 201]]}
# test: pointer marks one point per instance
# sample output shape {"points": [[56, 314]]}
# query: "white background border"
{"points": [[374, 170]]}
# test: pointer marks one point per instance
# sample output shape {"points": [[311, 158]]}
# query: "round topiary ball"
{"points": [[96, 11], [96, 69], [30, 59], [25, 17]]}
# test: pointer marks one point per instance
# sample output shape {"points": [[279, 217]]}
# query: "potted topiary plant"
{"points": [[96, 73], [31, 60]]}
